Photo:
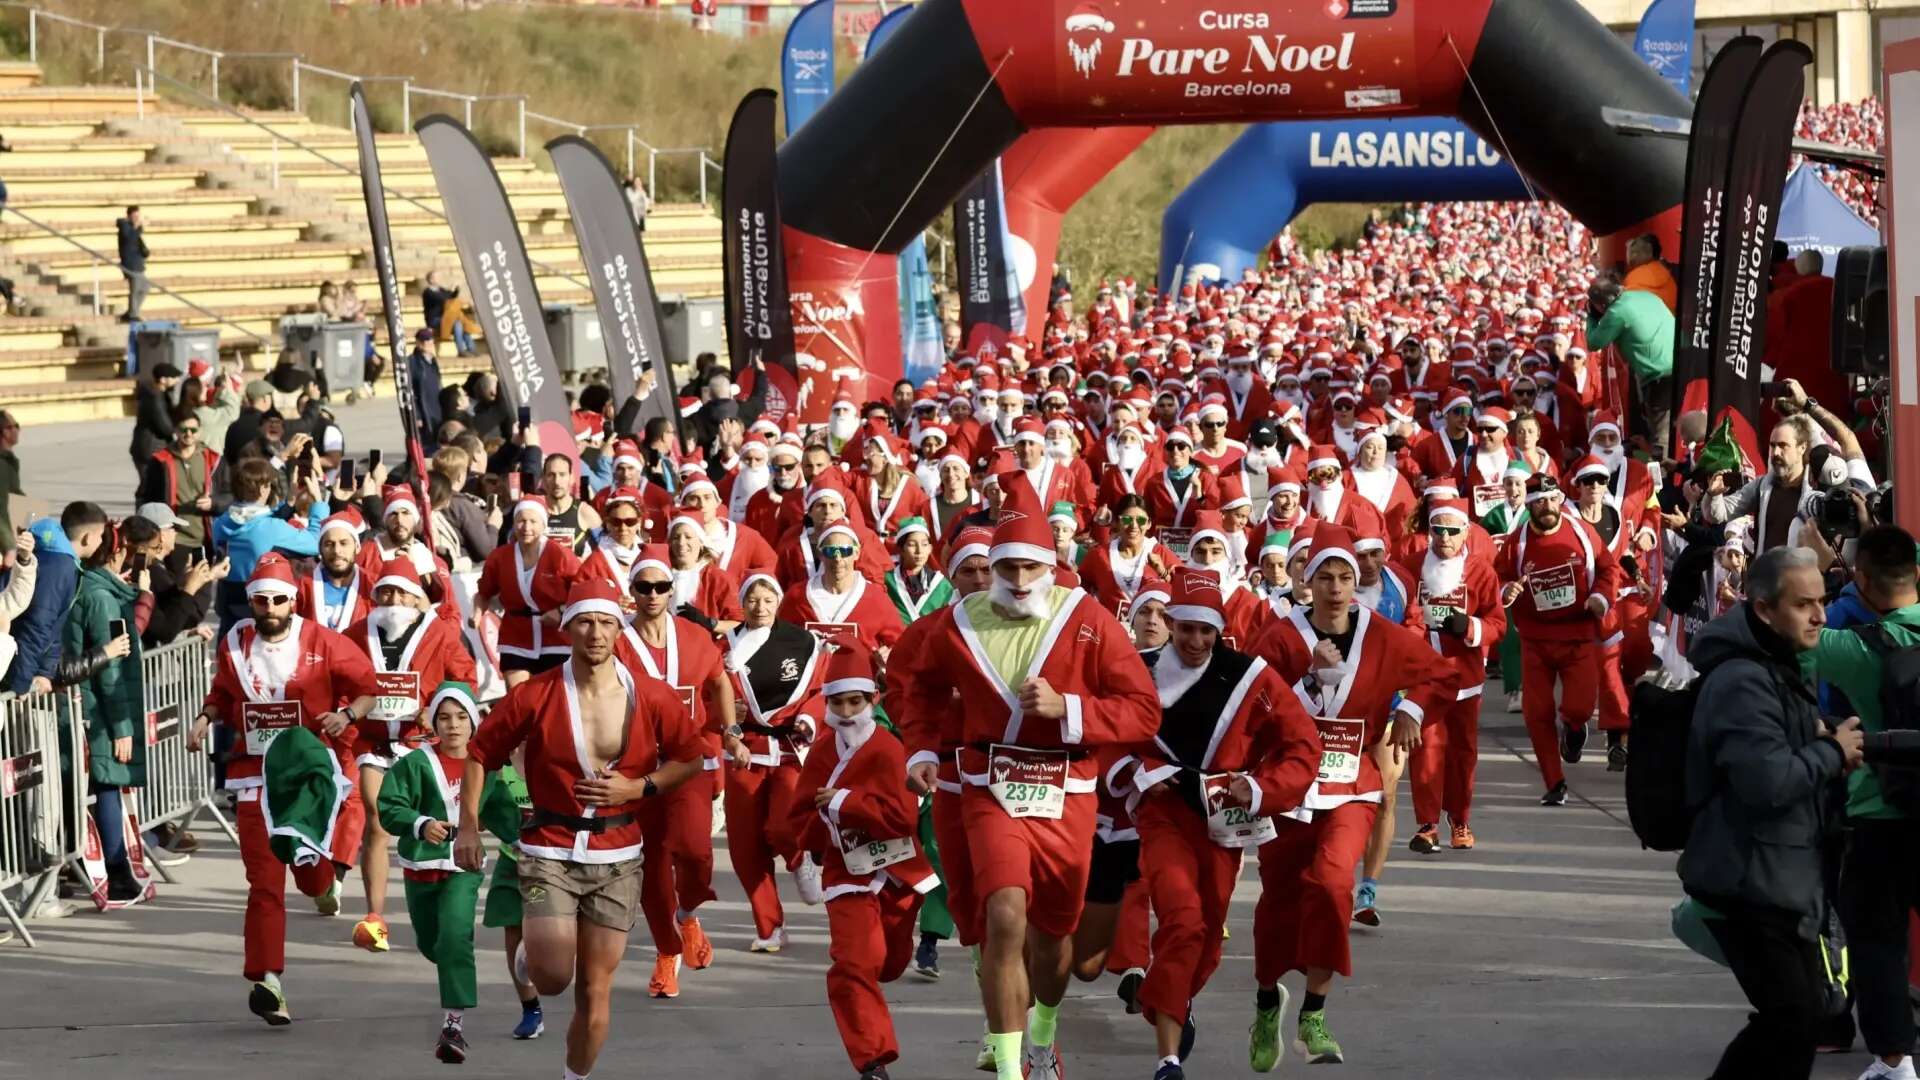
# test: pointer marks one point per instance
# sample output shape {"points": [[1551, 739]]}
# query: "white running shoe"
{"points": [[772, 943], [806, 879], [1043, 1063], [1880, 1070], [1513, 702], [719, 816]]}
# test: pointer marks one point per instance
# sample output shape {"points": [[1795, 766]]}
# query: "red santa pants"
{"points": [[1047, 859], [753, 796], [1442, 769], [265, 927], [1636, 649], [872, 939], [1191, 880], [956, 865], [1577, 666], [1612, 689], [676, 834], [1306, 892], [1131, 946]]}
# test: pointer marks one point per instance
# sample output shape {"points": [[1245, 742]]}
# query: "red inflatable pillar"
{"points": [[1044, 173]]}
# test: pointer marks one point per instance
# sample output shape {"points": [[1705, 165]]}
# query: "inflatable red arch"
{"points": [[961, 80]]}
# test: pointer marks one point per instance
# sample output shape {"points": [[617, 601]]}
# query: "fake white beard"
{"points": [[1260, 460], [853, 731], [1060, 450], [752, 479], [1374, 485], [1239, 382], [390, 622], [1038, 602], [1324, 499], [842, 425], [1347, 440], [1610, 457], [1294, 397], [928, 473], [1443, 577], [986, 410], [1003, 423], [685, 584], [1131, 456]]}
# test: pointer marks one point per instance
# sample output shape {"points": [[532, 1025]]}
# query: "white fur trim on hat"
{"points": [[826, 492], [451, 692], [1322, 463], [270, 587], [760, 579], [596, 605], [398, 582], [1196, 613], [1439, 512], [857, 685], [839, 527], [1314, 564], [393, 505], [968, 551], [534, 505], [1029, 552]]}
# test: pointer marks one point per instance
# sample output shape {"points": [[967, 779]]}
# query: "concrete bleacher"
{"points": [[243, 221]]}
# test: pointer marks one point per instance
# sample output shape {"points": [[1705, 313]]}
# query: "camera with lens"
{"points": [[1835, 513]]}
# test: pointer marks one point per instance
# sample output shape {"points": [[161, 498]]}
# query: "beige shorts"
{"points": [[606, 894]]}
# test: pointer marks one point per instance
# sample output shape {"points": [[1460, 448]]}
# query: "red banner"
{"points": [[844, 301]]}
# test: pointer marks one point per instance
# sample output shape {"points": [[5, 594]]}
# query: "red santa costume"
{"points": [[1558, 573], [799, 545], [611, 562], [376, 553], [1248, 399], [312, 604], [770, 511], [704, 587], [1229, 717], [1434, 453], [1459, 600], [1240, 608], [776, 672], [1306, 871], [527, 592], [1482, 472], [1629, 612], [862, 611], [656, 499], [1385, 488], [867, 840], [886, 510], [1129, 469], [412, 653], [1172, 503], [1334, 500], [261, 688], [679, 826]]}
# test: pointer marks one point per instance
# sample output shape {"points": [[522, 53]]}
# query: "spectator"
{"points": [[468, 519], [493, 415], [256, 405], [328, 302], [219, 406], [182, 477], [16, 593], [60, 545], [180, 601], [111, 698], [423, 368], [1760, 768], [133, 262], [1881, 879], [448, 315], [1647, 272], [1778, 498], [9, 478], [454, 407], [638, 202], [1640, 324], [152, 414], [354, 310], [257, 523]]}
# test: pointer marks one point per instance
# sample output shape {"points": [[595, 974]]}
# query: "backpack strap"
{"points": [[1874, 635]]}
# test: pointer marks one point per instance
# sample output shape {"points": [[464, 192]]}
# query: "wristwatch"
{"points": [[648, 789], [734, 730]]}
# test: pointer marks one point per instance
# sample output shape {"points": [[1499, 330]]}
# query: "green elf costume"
{"points": [[424, 787], [1064, 513], [926, 591], [1503, 520]]}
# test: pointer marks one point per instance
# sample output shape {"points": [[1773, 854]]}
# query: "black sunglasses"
{"points": [[655, 588]]}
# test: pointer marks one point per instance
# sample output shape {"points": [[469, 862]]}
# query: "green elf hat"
{"points": [[1063, 511], [1518, 467], [911, 525], [457, 692], [1276, 542]]}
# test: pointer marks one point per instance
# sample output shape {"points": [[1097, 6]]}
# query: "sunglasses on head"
{"points": [[838, 551], [653, 588]]}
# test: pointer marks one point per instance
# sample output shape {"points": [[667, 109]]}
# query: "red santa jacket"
{"points": [[1433, 453], [945, 728], [1170, 511], [688, 662], [605, 562], [375, 554], [1561, 570], [798, 561], [1114, 580], [1353, 710], [1631, 490], [771, 515], [715, 593], [1241, 415], [871, 803], [744, 551], [1475, 595], [543, 714], [885, 513], [526, 593], [328, 674], [309, 603], [864, 605], [434, 654], [1116, 483], [1085, 656]]}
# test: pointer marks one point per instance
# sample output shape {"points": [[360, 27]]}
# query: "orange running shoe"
{"points": [[370, 934], [666, 977], [1462, 838], [694, 944]]}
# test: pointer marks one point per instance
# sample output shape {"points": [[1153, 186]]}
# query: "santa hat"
{"points": [[1064, 511], [828, 485], [1541, 487], [592, 594], [1368, 537], [1322, 457], [272, 576], [934, 432], [535, 503], [1495, 415], [684, 521], [397, 497], [1179, 435], [1590, 466], [627, 452], [459, 693], [1153, 588], [849, 671], [1022, 531], [1207, 524], [1457, 397], [1302, 538], [695, 487], [1517, 467], [968, 542], [655, 556], [838, 528], [1448, 508], [400, 574], [1028, 429], [1604, 419], [1233, 492], [614, 496], [1331, 541], [1196, 598], [909, 526], [1285, 478], [768, 580], [347, 520]]}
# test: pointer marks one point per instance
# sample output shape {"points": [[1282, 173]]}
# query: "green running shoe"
{"points": [[1263, 1042], [1314, 1042]]}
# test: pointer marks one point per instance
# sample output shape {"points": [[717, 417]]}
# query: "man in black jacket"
{"points": [[152, 415], [133, 262], [1763, 771]]}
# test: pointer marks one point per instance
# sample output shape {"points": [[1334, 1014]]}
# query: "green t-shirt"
{"points": [[1010, 644], [1846, 661], [1641, 325]]}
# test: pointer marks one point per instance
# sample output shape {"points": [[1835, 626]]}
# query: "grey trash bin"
{"points": [[334, 351], [691, 326], [173, 345], [574, 332]]}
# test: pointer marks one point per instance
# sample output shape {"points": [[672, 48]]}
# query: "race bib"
{"points": [[1028, 783], [1340, 745], [265, 720], [838, 634], [864, 856], [1177, 540], [1442, 608], [396, 701], [1552, 588], [1486, 497], [1232, 826]]}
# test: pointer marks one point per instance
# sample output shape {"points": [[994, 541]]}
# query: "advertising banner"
{"points": [[843, 298], [759, 319], [1901, 92], [806, 63], [980, 259], [1665, 41]]}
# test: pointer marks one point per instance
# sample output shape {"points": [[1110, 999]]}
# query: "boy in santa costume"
{"points": [[853, 812], [1346, 665], [1234, 746], [1049, 676], [1459, 600], [410, 648], [598, 745], [1559, 581], [420, 804], [276, 672]]}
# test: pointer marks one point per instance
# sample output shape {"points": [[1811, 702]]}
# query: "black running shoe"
{"points": [[1129, 990], [1572, 741], [269, 1004], [1170, 1071], [1189, 1032], [1617, 758], [452, 1048], [1556, 795], [874, 1072]]}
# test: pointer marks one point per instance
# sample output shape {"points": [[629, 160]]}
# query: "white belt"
{"points": [[1076, 785]]}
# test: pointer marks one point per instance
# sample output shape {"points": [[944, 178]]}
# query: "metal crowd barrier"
{"points": [[175, 679], [35, 842]]}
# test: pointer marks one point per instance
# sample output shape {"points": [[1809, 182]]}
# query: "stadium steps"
{"points": [[76, 102], [163, 237], [19, 74]]}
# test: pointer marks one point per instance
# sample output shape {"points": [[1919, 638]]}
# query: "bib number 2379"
{"points": [[1028, 783]]}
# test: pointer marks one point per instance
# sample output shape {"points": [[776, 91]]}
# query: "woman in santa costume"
{"points": [[1234, 747], [887, 493], [702, 591], [615, 546], [335, 593], [1378, 480], [277, 671], [1629, 612], [1113, 571], [411, 649], [1345, 665], [1459, 600], [1483, 470], [1038, 707], [852, 811], [530, 575], [837, 602], [740, 551], [1183, 488], [828, 503], [776, 668]]}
